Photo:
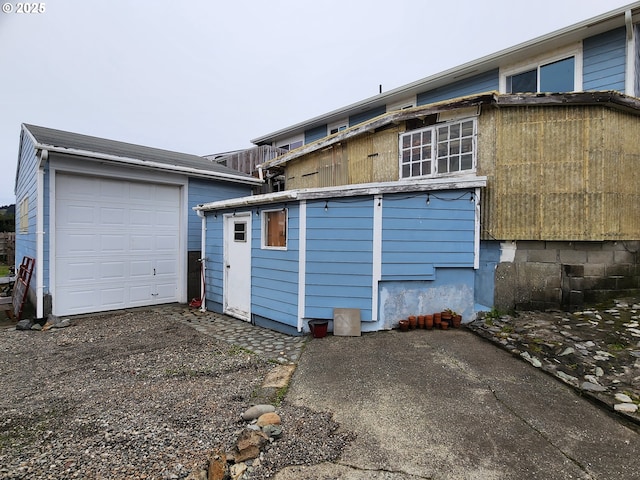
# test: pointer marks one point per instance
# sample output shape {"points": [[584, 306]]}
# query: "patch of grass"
{"points": [[493, 314], [4, 270], [280, 394], [507, 329], [616, 347], [238, 350]]}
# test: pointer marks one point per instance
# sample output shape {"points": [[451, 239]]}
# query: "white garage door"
{"points": [[117, 244]]}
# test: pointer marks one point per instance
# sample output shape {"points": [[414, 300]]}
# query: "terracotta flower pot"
{"points": [[413, 321], [428, 322], [437, 319], [456, 321], [403, 325], [444, 324], [446, 316], [420, 321]]}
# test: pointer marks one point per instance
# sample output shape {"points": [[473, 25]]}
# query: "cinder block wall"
{"points": [[548, 275]]}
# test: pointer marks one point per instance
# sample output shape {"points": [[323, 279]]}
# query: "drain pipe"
{"points": [[44, 156], [203, 260]]}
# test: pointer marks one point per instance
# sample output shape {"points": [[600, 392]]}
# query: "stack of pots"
{"points": [[442, 320]]}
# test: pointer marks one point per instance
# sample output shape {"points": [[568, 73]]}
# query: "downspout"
{"points": [[629, 81], [203, 260], [44, 156]]}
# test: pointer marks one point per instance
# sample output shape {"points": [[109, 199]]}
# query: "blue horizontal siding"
{"points": [[215, 255], [418, 237], [314, 134], [205, 191], [484, 82], [274, 273], [339, 257], [357, 118], [604, 60]]}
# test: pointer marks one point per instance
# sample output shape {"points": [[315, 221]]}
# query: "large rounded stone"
{"points": [[256, 411], [270, 418]]}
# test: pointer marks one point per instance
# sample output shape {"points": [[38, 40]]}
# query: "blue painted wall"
{"points": [[484, 82], [451, 288], [604, 59], [214, 251], [26, 186], [485, 275], [314, 134], [367, 115], [204, 191], [339, 257], [274, 282]]}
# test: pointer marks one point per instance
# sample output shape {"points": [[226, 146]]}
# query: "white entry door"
{"points": [[117, 244], [237, 265]]}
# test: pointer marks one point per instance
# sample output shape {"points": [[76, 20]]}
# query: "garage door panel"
{"points": [[110, 237], [113, 217], [73, 244], [113, 271], [112, 243]]}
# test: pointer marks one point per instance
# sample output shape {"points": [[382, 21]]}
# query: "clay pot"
{"points": [[420, 321], [456, 320], [404, 325], [437, 319], [428, 322], [413, 321], [446, 316], [444, 324]]}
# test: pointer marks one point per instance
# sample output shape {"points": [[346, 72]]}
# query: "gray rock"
{"points": [[626, 407], [24, 324], [599, 372], [624, 398], [257, 410], [273, 431], [62, 324], [567, 351], [567, 378], [36, 326], [593, 387]]}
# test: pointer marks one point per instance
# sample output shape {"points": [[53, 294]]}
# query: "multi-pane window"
{"points": [[24, 215], [240, 231], [274, 228], [439, 149], [558, 76]]}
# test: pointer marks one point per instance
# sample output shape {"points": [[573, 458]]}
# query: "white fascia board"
{"points": [[363, 189], [149, 164]]}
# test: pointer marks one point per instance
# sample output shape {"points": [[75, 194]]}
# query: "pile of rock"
{"points": [[53, 321], [263, 427]]}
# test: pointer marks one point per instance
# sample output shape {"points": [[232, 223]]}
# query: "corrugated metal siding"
{"points": [[561, 173], [339, 257], [637, 62], [203, 191], [604, 60], [484, 82], [314, 134], [271, 268], [366, 115], [324, 168], [418, 237]]}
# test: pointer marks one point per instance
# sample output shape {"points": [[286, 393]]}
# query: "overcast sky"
{"points": [[207, 76]]}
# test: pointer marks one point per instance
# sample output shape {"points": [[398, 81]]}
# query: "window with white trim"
{"points": [[558, 76], [441, 149], [274, 229]]}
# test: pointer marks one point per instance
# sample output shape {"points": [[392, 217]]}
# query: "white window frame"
{"points": [[434, 150], [535, 63], [263, 229], [338, 126], [291, 143]]}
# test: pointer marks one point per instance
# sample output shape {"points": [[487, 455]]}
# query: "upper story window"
{"points": [[274, 229], [440, 149], [291, 145], [560, 72], [338, 126], [552, 77]]}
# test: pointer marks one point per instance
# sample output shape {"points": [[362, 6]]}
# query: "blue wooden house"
{"points": [[509, 181], [110, 224]]}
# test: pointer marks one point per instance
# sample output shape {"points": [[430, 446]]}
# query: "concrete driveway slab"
{"points": [[449, 405]]}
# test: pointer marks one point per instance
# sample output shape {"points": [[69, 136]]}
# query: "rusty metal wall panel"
{"points": [[560, 173]]}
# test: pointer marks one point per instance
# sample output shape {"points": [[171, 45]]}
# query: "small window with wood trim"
{"points": [[274, 229], [24, 215], [240, 231]]}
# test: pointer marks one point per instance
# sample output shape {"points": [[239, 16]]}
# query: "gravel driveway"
{"points": [[137, 395]]}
